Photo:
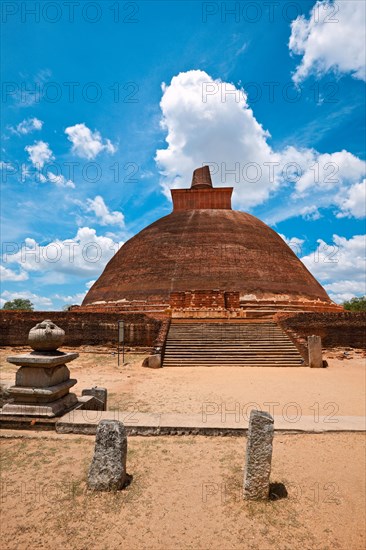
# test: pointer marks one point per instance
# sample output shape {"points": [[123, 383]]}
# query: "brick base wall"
{"points": [[343, 329], [201, 299], [83, 328]]}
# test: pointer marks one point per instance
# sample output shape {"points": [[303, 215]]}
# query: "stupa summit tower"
{"points": [[204, 256]]}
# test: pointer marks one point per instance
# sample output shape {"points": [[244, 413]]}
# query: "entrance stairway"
{"points": [[224, 344]]}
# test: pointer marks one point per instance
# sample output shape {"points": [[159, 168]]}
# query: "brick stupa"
{"points": [[229, 258]]}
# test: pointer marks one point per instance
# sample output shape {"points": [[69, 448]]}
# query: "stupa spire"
{"points": [[201, 178]]}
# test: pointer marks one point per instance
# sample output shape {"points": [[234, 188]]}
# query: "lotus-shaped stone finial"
{"points": [[46, 336]]}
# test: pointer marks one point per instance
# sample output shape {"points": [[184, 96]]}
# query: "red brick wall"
{"points": [[210, 299], [232, 300], [82, 328], [336, 329], [193, 199]]}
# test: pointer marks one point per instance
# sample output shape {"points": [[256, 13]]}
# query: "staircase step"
{"points": [[229, 344]]}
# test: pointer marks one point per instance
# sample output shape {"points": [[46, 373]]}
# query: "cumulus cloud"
{"points": [[27, 126], [39, 153], [210, 122], [10, 275], [88, 144], [84, 255], [323, 171], [354, 201], [59, 180], [340, 266], [39, 302], [332, 39], [102, 212]]}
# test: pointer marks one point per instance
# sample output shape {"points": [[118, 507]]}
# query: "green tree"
{"points": [[19, 303], [356, 304]]}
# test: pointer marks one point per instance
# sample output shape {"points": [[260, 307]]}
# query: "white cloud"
{"points": [[310, 212], [88, 144], [332, 39], [340, 266], [10, 275], [27, 126], [74, 299], [103, 214], [209, 122], [39, 153], [84, 255], [60, 180], [354, 201], [325, 171], [39, 302], [56, 179], [294, 243]]}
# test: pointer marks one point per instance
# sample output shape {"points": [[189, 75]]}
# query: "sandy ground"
{"points": [[185, 494], [338, 390], [187, 491]]}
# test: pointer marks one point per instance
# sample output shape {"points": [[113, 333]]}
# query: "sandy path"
{"points": [[336, 390]]}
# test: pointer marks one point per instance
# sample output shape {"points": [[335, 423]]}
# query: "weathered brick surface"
{"points": [[82, 328], [335, 329], [201, 299], [206, 249], [192, 199]]}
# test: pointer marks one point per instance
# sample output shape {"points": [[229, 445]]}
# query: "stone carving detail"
{"points": [[46, 336]]}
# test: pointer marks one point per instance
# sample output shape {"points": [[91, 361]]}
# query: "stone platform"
{"points": [[138, 423], [42, 385]]}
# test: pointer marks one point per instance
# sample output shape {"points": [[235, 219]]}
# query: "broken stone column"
{"points": [[258, 456], [42, 383], [108, 468], [315, 352], [100, 397]]}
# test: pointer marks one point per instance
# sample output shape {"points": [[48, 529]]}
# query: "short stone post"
{"points": [[108, 468], [315, 352], [99, 393], [258, 456]]}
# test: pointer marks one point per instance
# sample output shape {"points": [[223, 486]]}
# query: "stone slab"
{"points": [[41, 395], [42, 359], [138, 423], [49, 410]]}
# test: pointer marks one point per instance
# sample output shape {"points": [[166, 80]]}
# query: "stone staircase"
{"points": [[224, 344]]}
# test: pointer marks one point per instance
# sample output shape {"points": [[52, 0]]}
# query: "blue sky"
{"points": [[107, 108]]}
